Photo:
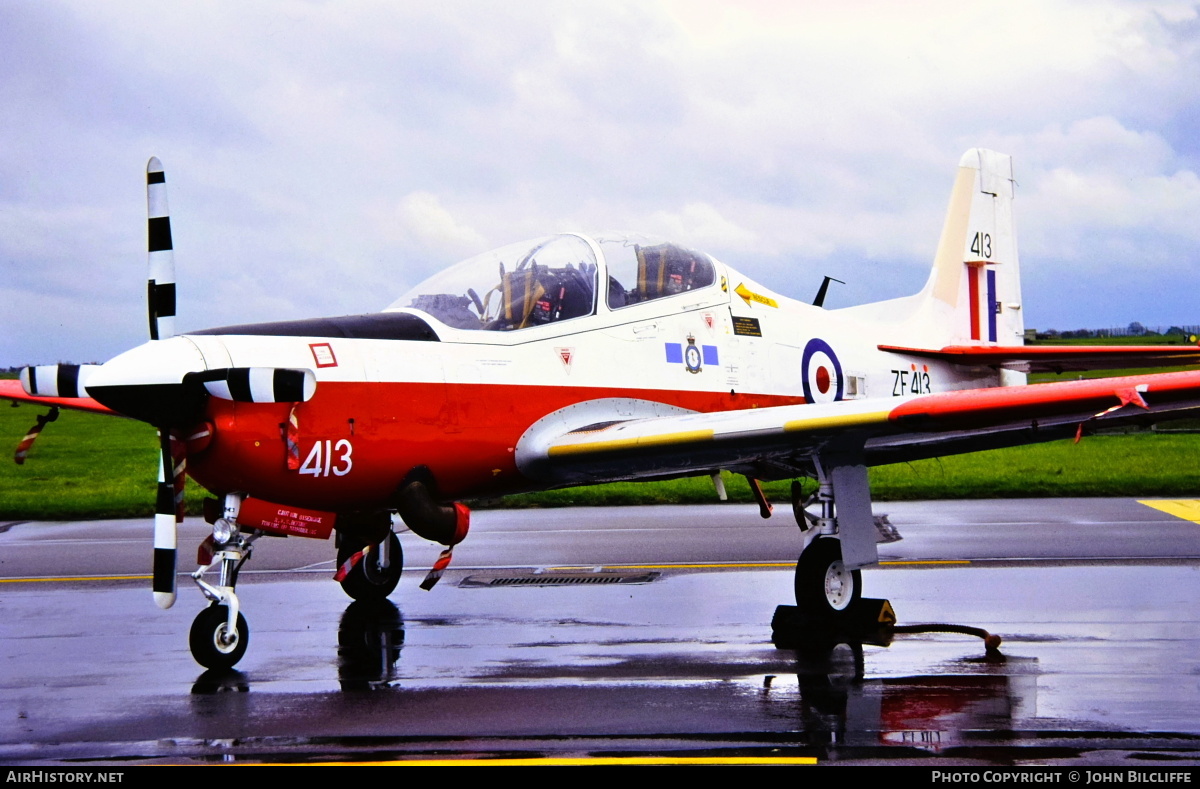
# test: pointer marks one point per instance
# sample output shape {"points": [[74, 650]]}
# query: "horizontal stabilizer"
{"points": [[1058, 358]]}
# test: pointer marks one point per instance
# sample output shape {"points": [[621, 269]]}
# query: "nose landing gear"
{"points": [[219, 634]]}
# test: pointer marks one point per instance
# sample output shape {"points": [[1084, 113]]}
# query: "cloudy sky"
{"points": [[323, 157]]}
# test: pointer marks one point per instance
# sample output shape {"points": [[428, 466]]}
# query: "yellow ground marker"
{"points": [[736, 565], [577, 568], [596, 761], [1188, 509], [64, 578]]}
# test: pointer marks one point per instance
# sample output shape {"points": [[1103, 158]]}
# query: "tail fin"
{"points": [[973, 296]]}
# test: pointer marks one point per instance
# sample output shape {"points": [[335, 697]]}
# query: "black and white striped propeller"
{"points": [[166, 383], [57, 380], [240, 384], [160, 306], [160, 289]]}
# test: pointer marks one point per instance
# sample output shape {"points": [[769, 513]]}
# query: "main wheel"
{"points": [[369, 581], [823, 584], [213, 646]]}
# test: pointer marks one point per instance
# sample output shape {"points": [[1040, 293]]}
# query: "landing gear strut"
{"points": [[219, 634], [839, 537]]}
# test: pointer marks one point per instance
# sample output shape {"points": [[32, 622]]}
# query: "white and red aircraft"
{"points": [[575, 359]]}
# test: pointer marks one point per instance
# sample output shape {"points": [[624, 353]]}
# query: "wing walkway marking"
{"points": [[1187, 509]]}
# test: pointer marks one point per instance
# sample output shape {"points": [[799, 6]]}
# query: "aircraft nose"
{"points": [[147, 383]]}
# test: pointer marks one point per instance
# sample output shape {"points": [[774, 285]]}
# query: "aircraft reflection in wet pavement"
{"points": [[578, 359], [829, 708], [370, 637]]}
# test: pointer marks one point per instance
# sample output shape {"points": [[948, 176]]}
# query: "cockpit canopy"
{"points": [[642, 269], [551, 279]]}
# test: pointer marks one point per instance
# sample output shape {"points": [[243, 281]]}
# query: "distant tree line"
{"points": [[1134, 329]]}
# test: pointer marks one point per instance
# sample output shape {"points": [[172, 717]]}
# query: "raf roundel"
{"points": [[821, 372]]}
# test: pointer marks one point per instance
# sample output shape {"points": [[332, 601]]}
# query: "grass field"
{"points": [[90, 466]]}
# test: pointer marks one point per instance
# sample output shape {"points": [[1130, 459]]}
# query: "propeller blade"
{"points": [[259, 384], [31, 436], [160, 290], [57, 380], [168, 512]]}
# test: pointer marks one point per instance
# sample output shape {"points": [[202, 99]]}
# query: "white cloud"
{"points": [[422, 219], [360, 144], [702, 225]]}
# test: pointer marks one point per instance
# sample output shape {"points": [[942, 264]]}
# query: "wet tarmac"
{"points": [[1096, 602]]}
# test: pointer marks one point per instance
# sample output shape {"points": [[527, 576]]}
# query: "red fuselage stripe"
{"points": [[357, 441]]}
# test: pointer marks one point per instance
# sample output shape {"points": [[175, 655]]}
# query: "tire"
{"points": [[367, 581], [823, 585], [207, 638]]}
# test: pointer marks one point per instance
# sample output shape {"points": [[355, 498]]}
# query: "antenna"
{"points": [[819, 301]]}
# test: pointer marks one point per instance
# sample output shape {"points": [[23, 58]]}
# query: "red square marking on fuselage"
{"points": [[323, 354]]}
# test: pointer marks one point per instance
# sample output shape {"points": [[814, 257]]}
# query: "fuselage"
{"points": [[455, 381]]}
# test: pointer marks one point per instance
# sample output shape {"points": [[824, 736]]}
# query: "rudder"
{"points": [[974, 291]]}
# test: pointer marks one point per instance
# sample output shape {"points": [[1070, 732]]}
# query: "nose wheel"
{"points": [[215, 643]]}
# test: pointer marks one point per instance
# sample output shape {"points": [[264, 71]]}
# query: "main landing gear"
{"points": [[824, 585], [376, 574], [840, 533]]}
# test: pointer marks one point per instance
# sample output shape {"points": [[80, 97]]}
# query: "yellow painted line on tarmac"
{"points": [[76, 578], [712, 565], [1188, 509], [596, 761], [572, 568], [734, 565]]}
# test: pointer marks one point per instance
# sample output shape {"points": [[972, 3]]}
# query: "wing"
{"points": [[780, 442], [11, 389], [1058, 358]]}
